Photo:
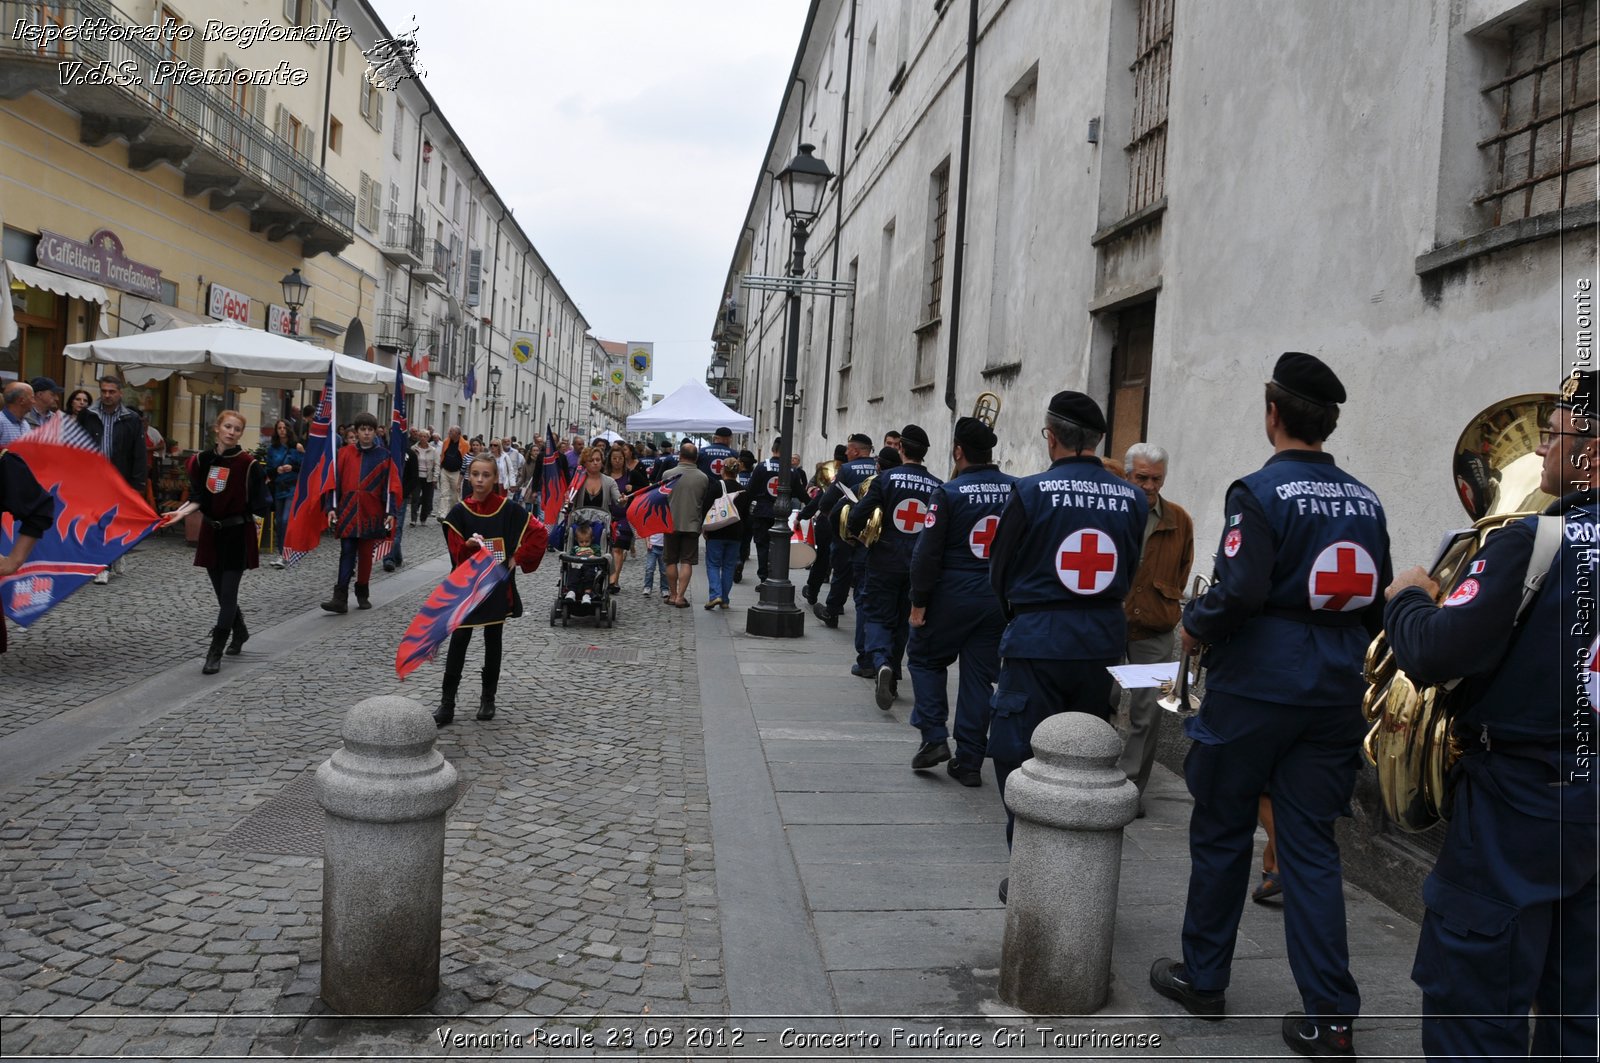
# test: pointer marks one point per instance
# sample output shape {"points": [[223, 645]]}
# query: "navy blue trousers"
{"points": [[965, 628], [1511, 923], [1031, 690], [887, 616], [1307, 758], [845, 577]]}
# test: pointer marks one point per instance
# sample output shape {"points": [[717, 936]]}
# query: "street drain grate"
{"points": [[611, 655], [290, 824]]}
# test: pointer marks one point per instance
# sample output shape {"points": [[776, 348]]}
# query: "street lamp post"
{"points": [[803, 183], [494, 395], [294, 297]]}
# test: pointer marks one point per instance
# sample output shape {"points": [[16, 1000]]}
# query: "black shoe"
{"points": [[1169, 978], [240, 634], [1005, 885], [738, 574], [883, 687], [809, 593], [1318, 1037], [388, 566], [861, 671], [486, 707], [446, 712], [964, 775], [219, 639], [929, 755], [340, 602], [820, 611]]}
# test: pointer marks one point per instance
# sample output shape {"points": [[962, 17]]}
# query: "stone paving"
{"points": [[578, 876]]}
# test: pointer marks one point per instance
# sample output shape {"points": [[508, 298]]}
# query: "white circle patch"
{"points": [[1343, 578], [1086, 561], [911, 516], [981, 537], [1464, 593]]}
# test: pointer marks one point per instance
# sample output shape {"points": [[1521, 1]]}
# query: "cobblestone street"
{"points": [[162, 891]]}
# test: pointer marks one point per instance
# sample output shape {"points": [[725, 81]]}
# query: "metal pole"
{"points": [[776, 615]]}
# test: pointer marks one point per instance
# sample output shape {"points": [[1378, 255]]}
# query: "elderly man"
{"points": [[18, 399], [121, 438], [46, 400], [1152, 606], [681, 550]]}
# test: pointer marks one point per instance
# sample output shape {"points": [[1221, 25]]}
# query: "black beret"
{"points": [[915, 433], [1578, 395], [861, 439], [724, 432], [973, 434], [889, 457], [1305, 376], [1080, 409]]}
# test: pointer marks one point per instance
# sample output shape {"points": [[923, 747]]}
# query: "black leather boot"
{"points": [[486, 699], [446, 712], [362, 601], [340, 602], [241, 634], [219, 638]]}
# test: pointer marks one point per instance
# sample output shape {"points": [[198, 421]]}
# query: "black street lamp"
{"points": [[294, 297], [803, 183], [494, 395]]}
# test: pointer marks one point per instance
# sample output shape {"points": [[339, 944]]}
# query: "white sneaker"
{"points": [[103, 577], [648, 591], [572, 596], [588, 599], [276, 562]]}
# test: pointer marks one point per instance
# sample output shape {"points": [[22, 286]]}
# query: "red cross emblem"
{"points": [[1343, 578], [1087, 561], [982, 536], [1463, 594], [217, 479], [772, 486], [716, 466], [910, 516]]}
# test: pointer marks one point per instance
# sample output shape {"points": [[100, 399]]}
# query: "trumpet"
{"points": [[1176, 695]]}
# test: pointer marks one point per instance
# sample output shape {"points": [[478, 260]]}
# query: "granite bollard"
{"points": [[1071, 804], [386, 793]]}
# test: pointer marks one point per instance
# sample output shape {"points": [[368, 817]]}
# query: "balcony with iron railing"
{"points": [[402, 238], [434, 265], [85, 56]]}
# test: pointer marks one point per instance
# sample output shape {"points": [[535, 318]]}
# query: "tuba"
{"points": [[825, 474], [986, 408], [874, 528], [1496, 474]]}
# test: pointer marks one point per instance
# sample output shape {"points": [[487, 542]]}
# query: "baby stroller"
{"points": [[585, 577]]}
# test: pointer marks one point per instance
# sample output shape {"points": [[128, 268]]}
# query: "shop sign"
{"points": [[229, 305], [100, 260], [278, 320]]}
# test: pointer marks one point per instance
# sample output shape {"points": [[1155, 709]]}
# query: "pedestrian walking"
{"points": [[427, 477], [285, 454], [362, 510], [452, 460], [687, 505], [722, 543]]}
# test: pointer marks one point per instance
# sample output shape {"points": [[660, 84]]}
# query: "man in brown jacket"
{"points": [[1153, 604]]}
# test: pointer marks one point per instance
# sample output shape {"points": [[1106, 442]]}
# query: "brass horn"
{"points": [[986, 408], [874, 528], [1176, 695], [1496, 473]]}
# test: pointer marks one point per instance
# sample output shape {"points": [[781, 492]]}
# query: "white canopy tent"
{"points": [[692, 408], [237, 356]]}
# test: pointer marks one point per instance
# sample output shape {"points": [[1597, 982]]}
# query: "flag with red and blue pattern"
{"points": [[399, 443], [553, 482], [98, 518], [450, 603], [648, 513], [307, 519]]}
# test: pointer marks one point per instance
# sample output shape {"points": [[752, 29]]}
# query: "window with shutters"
{"points": [[1542, 157], [455, 207], [474, 275], [181, 101], [927, 331], [372, 104], [444, 181], [1128, 412], [300, 12], [1152, 81], [375, 211], [364, 200], [399, 128]]}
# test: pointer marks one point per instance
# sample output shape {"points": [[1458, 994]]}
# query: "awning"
{"points": [[46, 280], [134, 309]]}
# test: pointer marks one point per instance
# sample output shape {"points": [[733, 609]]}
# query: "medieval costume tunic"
{"points": [[231, 490], [29, 505], [368, 491], [513, 534]]}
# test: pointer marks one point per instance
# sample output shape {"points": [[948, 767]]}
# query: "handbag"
{"points": [[723, 512]]}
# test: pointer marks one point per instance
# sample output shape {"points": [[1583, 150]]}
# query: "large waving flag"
{"points": [[469, 387], [399, 443], [553, 484], [648, 513], [98, 518], [307, 521], [450, 603]]}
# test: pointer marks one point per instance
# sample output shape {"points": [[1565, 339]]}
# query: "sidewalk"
{"points": [[879, 883]]}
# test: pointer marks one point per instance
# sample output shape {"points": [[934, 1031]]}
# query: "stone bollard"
{"points": [[386, 793], [1071, 804]]}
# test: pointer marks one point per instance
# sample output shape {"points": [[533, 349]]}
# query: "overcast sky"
{"points": [[626, 134]]}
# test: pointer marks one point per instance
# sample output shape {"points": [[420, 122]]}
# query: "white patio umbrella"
{"points": [[236, 355]]}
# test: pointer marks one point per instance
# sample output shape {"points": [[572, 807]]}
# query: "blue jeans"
{"points": [[652, 565], [280, 520], [722, 557]]}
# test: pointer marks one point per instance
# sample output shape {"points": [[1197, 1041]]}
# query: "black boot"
{"points": [[362, 601], [241, 634], [219, 638], [340, 602], [446, 712], [486, 699]]}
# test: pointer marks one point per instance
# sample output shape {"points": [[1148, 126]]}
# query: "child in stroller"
{"points": [[585, 564]]}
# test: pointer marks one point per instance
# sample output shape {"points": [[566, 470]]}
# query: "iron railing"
{"points": [[143, 72], [403, 232], [391, 329]]}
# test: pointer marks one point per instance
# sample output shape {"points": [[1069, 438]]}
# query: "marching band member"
{"points": [[1512, 902], [954, 612], [901, 494], [1304, 552], [858, 465]]}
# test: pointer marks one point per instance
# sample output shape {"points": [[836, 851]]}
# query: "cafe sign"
{"points": [[229, 305], [100, 260]]}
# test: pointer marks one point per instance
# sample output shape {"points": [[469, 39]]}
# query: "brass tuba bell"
{"points": [[874, 528], [827, 471], [986, 408], [1496, 474]]}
